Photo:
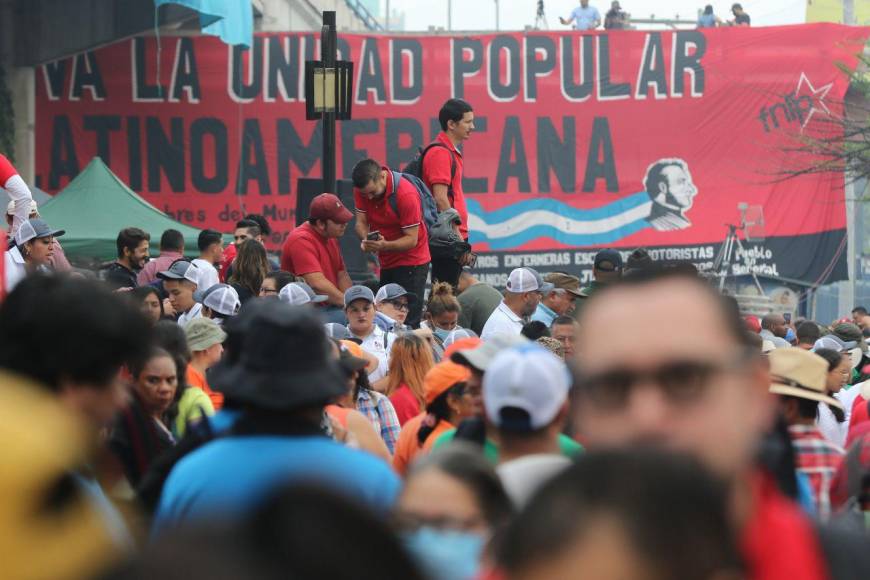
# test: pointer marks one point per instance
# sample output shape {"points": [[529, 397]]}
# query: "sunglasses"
{"points": [[681, 382]]}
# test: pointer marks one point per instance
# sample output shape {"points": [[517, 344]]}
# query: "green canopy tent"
{"points": [[96, 205]]}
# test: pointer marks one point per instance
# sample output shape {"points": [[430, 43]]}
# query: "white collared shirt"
{"points": [[503, 320], [378, 343], [194, 312], [15, 268]]}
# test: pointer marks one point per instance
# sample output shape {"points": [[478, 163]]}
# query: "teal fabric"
{"points": [[231, 20]]}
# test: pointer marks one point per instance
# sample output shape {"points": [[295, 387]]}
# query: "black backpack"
{"points": [[415, 166]]}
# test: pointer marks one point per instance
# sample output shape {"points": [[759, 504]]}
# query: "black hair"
{"points": [[250, 225], [293, 533], [727, 306], [859, 310], [172, 240], [365, 172], [655, 176], [535, 330], [465, 463], [562, 320], [261, 222], [154, 352], [130, 238], [776, 456], [438, 410], [806, 408], [834, 360], [808, 332], [171, 338], [673, 512], [281, 278], [754, 340], [453, 110], [139, 294], [736, 5], [708, 9], [54, 328], [207, 238]]}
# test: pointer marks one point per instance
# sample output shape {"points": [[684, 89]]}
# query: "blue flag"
{"points": [[231, 20]]}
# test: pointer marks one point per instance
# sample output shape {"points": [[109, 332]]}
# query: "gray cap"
{"points": [[393, 291], [35, 228], [181, 270], [480, 357], [337, 331], [358, 293], [221, 298], [299, 293]]}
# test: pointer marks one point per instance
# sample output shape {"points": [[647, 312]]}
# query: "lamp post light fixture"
{"points": [[328, 94]]}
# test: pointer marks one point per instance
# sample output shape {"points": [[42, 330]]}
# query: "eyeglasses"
{"points": [[267, 290], [398, 305], [682, 382]]}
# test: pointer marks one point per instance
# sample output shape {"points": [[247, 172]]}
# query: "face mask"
{"points": [[441, 333], [445, 554], [789, 335]]}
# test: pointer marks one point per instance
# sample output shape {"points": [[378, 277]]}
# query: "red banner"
{"points": [[622, 139]]}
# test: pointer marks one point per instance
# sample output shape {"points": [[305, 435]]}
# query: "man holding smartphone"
{"points": [[399, 237]]}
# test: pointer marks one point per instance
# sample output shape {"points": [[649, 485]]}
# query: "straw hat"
{"points": [[799, 373]]}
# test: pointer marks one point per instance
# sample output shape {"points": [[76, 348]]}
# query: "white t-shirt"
{"points": [[523, 476], [378, 343], [15, 268], [503, 320], [208, 275]]}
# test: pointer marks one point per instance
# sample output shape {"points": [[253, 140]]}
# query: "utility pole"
{"points": [[387, 17], [497, 27], [328, 54], [849, 12], [449, 15]]}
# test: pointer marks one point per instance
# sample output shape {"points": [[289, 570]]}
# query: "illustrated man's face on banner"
{"points": [[680, 190]]}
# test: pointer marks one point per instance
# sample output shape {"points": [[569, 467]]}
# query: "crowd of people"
{"points": [[223, 414], [587, 17]]}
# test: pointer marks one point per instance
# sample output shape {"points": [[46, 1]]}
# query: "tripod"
{"points": [[540, 17], [724, 259]]}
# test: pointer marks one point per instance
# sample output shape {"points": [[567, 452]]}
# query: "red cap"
{"points": [[327, 206]]}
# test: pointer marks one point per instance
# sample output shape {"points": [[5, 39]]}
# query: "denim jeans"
{"points": [[413, 280]]}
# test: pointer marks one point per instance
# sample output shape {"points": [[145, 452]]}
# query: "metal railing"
{"points": [[363, 14]]}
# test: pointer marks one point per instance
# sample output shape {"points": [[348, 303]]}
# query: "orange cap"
{"points": [[441, 377], [469, 343]]}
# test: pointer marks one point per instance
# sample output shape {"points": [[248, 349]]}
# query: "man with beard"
{"points": [[669, 186], [697, 388], [133, 248], [523, 292]]}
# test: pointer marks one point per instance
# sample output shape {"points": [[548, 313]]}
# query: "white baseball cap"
{"points": [[299, 293], [220, 298], [527, 280], [527, 378]]}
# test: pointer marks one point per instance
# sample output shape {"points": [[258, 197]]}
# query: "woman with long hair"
{"points": [[410, 360], [441, 316], [831, 420], [147, 298], [451, 396], [249, 268]]}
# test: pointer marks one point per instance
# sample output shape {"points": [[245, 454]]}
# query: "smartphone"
{"points": [[373, 236], [787, 317]]}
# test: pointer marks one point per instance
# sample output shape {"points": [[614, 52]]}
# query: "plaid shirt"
{"points": [[380, 412], [819, 459]]}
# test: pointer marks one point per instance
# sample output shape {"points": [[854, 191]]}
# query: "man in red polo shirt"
{"points": [[442, 174], [400, 241], [312, 251]]}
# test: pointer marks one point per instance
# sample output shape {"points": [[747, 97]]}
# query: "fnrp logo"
{"points": [[798, 107]]}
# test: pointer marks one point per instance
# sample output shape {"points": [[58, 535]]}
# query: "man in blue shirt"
{"points": [[560, 300], [280, 372], [584, 17]]}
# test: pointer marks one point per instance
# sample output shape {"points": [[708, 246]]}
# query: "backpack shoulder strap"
{"points": [[394, 201], [452, 157]]}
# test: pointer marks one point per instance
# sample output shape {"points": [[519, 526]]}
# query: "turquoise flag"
{"points": [[231, 20]]}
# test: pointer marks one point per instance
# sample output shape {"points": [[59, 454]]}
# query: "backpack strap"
{"points": [[394, 201], [452, 163]]}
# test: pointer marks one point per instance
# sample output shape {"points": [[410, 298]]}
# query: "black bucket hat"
{"points": [[282, 359]]}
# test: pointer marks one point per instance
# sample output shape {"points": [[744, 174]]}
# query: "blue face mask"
{"points": [[441, 333], [789, 335], [445, 554]]}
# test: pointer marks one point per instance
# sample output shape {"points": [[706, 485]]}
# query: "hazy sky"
{"points": [[516, 14]]}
